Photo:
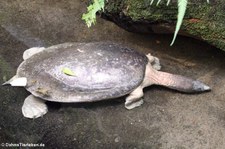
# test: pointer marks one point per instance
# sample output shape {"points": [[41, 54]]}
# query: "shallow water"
{"points": [[167, 119]]}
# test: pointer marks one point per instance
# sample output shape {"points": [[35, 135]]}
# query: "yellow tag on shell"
{"points": [[68, 72]]}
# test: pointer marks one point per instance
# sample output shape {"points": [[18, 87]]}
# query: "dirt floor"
{"points": [[167, 119]]}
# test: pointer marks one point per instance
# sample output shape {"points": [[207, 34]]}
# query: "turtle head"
{"points": [[200, 87]]}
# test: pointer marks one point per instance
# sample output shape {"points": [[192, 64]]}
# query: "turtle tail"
{"points": [[178, 82], [16, 81]]}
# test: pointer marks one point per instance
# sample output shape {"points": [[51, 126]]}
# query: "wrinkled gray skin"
{"points": [[101, 71]]}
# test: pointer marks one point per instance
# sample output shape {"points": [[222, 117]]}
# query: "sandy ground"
{"points": [[167, 119]]}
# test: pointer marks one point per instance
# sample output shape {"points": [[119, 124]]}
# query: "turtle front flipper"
{"points": [[134, 98], [34, 107]]}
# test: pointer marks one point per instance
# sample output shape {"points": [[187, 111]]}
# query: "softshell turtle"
{"points": [[95, 71]]}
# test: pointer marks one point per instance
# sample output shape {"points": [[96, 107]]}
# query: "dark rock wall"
{"points": [[202, 20]]}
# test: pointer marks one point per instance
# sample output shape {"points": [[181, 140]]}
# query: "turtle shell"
{"points": [[101, 71]]}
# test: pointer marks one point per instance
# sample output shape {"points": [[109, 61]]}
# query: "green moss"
{"points": [[206, 22], [201, 19], [114, 7], [139, 10]]}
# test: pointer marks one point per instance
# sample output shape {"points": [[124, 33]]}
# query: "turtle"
{"points": [[87, 72]]}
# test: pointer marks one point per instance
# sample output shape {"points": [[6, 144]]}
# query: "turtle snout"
{"points": [[200, 87]]}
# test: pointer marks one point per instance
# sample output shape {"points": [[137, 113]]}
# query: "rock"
{"points": [[202, 20]]}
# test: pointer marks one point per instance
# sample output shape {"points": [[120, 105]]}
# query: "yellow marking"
{"points": [[68, 72], [43, 91]]}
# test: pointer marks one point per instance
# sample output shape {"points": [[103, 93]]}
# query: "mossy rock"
{"points": [[202, 20]]}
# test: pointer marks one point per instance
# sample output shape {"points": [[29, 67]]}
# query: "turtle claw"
{"points": [[34, 107]]}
